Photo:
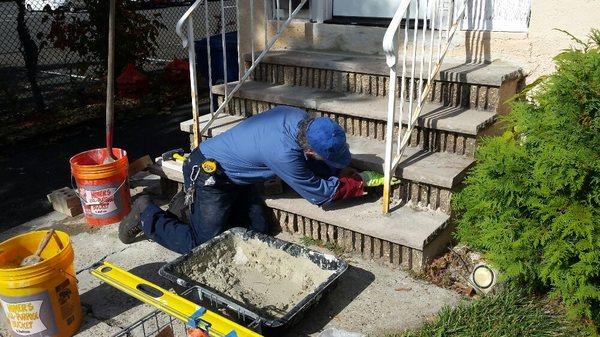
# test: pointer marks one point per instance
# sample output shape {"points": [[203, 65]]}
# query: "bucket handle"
{"points": [[69, 275], [102, 200]]}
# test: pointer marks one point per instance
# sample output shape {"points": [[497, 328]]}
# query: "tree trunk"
{"points": [[30, 52]]}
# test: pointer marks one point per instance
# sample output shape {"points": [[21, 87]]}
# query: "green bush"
{"points": [[532, 201]]}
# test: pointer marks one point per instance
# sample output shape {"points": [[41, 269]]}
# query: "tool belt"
{"points": [[199, 170]]}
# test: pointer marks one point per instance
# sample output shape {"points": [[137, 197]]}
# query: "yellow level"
{"points": [[178, 307]]}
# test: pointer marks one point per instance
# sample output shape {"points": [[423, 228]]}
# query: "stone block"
{"points": [[386, 252], [406, 257], [377, 248], [367, 247], [65, 201], [358, 242], [332, 234], [396, 254]]}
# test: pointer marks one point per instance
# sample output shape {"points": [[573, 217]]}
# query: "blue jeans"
{"points": [[215, 209]]}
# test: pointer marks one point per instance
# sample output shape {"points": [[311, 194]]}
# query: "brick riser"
{"points": [[369, 247], [471, 96], [427, 196], [429, 139]]}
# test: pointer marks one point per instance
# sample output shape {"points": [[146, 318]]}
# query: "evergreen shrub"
{"points": [[532, 201]]}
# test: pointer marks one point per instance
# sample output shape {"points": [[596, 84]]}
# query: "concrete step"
{"points": [[223, 123], [480, 86], [490, 74], [440, 128], [431, 168], [438, 169], [407, 236]]}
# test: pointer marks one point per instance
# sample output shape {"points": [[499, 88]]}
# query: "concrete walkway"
{"points": [[369, 298]]}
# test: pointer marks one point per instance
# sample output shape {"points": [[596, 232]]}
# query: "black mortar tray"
{"points": [[244, 313]]}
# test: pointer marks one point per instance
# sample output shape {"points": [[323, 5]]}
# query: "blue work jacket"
{"points": [[264, 146]]}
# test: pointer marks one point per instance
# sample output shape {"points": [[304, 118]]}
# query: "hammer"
{"points": [[176, 155]]}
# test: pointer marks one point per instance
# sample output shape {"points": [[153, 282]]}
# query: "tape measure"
{"points": [[209, 166]]}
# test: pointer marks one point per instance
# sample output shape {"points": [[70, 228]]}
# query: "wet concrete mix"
{"points": [[264, 278]]}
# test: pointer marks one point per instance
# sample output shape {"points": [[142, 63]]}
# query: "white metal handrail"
{"points": [[441, 22], [188, 38]]}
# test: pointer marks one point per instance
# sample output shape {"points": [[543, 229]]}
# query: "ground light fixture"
{"points": [[483, 277]]}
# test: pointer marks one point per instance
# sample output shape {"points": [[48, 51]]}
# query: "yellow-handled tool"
{"points": [[178, 307], [177, 155]]}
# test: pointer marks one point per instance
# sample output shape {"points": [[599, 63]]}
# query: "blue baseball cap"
{"points": [[328, 140]]}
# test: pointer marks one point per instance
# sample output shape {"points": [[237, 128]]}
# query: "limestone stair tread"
{"points": [[492, 73], [434, 116], [407, 225], [222, 123], [433, 168]]}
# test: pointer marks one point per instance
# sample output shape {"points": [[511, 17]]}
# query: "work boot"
{"points": [[178, 207], [131, 224]]}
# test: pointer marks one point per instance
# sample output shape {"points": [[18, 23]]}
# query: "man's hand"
{"points": [[373, 179]]}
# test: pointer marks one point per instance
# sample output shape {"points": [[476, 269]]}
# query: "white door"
{"points": [[372, 8], [365, 8], [497, 15], [487, 15]]}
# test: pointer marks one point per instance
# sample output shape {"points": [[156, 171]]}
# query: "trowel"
{"points": [[36, 258]]}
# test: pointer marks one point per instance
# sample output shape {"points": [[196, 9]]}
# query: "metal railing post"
{"points": [[251, 28], [193, 85], [389, 130], [207, 36], [224, 47], [390, 47], [266, 22]]}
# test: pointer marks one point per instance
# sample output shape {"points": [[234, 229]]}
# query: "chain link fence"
{"points": [[46, 58]]}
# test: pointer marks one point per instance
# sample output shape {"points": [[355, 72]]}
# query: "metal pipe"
{"points": [[389, 39], [193, 86], [207, 36], [237, 29], [224, 46], [183, 19], [402, 87], [391, 58], [412, 70], [110, 82], [450, 19], [389, 130], [266, 22], [251, 28], [440, 29], [433, 14], [423, 36], [277, 8]]}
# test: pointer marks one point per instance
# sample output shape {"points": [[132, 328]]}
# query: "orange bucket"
{"points": [[103, 188]]}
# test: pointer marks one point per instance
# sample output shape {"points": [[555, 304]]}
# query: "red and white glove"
{"points": [[351, 186]]}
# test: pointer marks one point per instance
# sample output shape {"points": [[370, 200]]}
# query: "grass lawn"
{"points": [[507, 314]]}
